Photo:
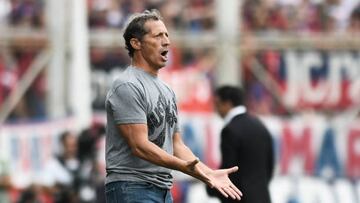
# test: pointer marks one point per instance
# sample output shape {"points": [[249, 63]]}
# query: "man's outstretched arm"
{"points": [[184, 160], [136, 136]]}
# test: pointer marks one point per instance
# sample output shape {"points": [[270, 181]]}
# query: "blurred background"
{"points": [[297, 60]]}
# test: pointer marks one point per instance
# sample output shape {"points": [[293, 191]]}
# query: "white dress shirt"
{"points": [[234, 112]]}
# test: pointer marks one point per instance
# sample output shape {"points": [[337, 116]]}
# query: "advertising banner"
{"points": [[321, 80]]}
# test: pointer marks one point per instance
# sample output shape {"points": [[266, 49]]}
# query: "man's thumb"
{"points": [[233, 169], [193, 163]]}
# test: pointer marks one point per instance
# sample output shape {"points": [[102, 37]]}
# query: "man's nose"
{"points": [[166, 41]]}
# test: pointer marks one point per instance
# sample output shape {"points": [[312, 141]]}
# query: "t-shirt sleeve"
{"points": [[127, 105], [177, 128]]}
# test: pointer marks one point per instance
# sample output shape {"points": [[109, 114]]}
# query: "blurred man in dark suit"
{"points": [[245, 142]]}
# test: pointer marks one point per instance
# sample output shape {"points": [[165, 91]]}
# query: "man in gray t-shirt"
{"points": [[143, 143], [138, 97]]}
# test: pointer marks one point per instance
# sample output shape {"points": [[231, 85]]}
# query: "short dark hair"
{"points": [[136, 29], [231, 94]]}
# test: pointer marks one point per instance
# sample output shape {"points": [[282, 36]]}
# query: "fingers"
{"points": [[231, 191], [237, 191], [234, 189], [222, 192]]}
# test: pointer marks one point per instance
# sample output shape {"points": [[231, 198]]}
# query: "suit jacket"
{"points": [[245, 142]]}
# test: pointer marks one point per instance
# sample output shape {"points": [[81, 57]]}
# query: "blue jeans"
{"points": [[136, 192]]}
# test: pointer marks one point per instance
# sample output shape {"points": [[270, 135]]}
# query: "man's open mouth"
{"points": [[164, 53]]}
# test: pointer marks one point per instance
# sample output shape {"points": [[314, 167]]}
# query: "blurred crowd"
{"points": [[24, 13], [305, 16], [190, 15], [257, 15], [199, 15], [75, 174]]}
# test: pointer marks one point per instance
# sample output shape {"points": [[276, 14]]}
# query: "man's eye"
{"points": [[161, 35]]}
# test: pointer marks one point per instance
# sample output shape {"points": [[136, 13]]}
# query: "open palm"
{"points": [[219, 179]]}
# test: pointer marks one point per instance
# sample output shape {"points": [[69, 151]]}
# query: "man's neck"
{"points": [[144, 66]]}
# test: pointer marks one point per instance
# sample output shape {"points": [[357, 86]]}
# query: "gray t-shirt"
{"points": [[139, 97]]}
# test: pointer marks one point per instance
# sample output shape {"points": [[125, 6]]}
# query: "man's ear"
{"points": [[228, 105], [135, 43]]}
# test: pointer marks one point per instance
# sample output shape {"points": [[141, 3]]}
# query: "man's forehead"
{"points": [[155, 26]]}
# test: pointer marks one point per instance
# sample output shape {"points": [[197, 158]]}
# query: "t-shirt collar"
{"points": [[234, 112], [143, 72]]}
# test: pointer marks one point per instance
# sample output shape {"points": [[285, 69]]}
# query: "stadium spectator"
{"points": [[62, 173], [91, 180], [245, 142]]}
